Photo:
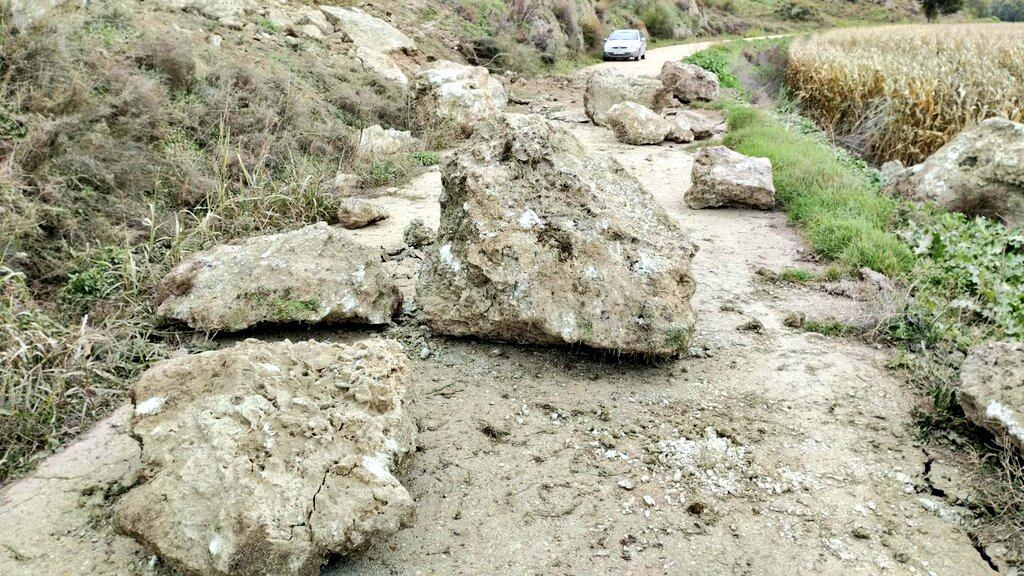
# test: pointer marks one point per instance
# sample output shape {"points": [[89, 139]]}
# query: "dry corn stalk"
{"points": [[904, 91]]}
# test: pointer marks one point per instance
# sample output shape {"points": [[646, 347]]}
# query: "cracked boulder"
{"points": [[314, 274], [992, 391], [689, 82], [457, 96], [637, 125], [606, 89], [980, 172], [723, 178], [266, 458], [540, 242]]}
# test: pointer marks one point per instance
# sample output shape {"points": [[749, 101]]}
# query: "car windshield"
{"points": [[625, 35]]}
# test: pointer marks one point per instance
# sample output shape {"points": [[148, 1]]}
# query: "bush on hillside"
{"points": [[1008, 10]]}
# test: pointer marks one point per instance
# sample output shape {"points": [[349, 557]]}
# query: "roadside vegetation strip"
{"points": [[836, 204], [901, 92]]}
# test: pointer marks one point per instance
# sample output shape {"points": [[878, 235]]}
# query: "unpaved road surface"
{"points": [[777, 452], [651, 65]]}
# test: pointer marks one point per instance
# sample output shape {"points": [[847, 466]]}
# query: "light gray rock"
{"points": [[680, 129], [703, 125], [457, 96], [541, 242], [356, 213], [315, 274], [24, 13], [606, 89], [992, 391], [307, 16], [722, 178], [381, 65], [980, 172], [689, 82], [376, 141], [637, 125], [264, 458], [891, 169], [417, 234], [227, 10], [367, 31]]}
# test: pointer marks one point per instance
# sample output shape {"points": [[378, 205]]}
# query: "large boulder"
{"points": [[540, 242], [722, 177], [214, 9], [375, 141], [992, 391], [457, 96], [637, 125], [367, 31], [703, 124], [315, 274], [606, 89], [266, 458], [980, 172], [688, 82]]}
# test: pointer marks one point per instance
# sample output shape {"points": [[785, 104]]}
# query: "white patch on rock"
{"points": [[377, 465], [1005, 415], [529, 219], [150, 406], [449, 259]]}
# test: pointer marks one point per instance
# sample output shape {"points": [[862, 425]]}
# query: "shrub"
{"points": [[1008, 10], [659, 18], [718, 59]]}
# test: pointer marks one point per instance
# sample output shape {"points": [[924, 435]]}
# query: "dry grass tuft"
{"points": [[901, 92]]}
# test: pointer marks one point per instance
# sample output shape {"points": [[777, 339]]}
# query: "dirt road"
{"points": [[778, 452], [651, 65], [772, 452]]}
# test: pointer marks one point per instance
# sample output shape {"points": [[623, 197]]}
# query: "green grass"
{"points": [[837, 206], [719, 59], [797, 275]]}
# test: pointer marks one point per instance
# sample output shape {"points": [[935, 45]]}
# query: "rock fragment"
{"points": [[315, 274], [689, 82], [992, 391], [637, 125], [266, 458], [356, 213], [540, 242], [367, 31], [417, 234], [457, 97], [722, 177], [606, 89], [376, 141]]}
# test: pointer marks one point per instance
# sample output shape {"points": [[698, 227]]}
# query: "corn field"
{"points": [[901, 92]]}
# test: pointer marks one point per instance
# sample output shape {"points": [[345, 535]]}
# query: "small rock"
{"points": [[626, 484], [649, 500], [356, 213], [723, 178], [637, 125], [752, 325], [417, 234], [375, 141], [795, 319]]}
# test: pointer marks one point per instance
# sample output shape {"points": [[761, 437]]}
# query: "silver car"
{"points": [[625, 45]]}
